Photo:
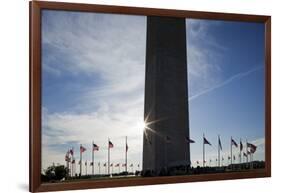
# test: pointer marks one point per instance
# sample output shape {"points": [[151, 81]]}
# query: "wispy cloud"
{"points": [[204, 55], [109, 51], [227, 81]]}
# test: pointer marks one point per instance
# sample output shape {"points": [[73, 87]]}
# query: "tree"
{"points": [[56, 172]]}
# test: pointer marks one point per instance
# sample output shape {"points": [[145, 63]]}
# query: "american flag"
{"points": [[206, 141], [220, 146], [123, 165], [233, 142], [110, 144], [82, 149], [252, 147], [71, 151], [95, 147], [67, 158], [127, 147], [188, 140], [241, 145], [117, 165]]}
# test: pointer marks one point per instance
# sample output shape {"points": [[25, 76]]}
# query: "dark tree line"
{"points": [[55, 173]]}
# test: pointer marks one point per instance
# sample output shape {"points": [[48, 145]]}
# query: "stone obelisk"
{"points": [[166, 96]]}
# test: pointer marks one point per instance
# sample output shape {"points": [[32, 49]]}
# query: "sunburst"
{"points": [[146, 125]]}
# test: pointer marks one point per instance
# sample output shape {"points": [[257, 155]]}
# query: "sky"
{"points": [[226, 85], [93, 85]]}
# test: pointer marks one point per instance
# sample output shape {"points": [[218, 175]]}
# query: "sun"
{"points": [[143, 125]]}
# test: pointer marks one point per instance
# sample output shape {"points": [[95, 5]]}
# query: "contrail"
{"points": [[235, 77]]}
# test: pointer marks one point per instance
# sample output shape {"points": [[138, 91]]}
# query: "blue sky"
{"points": [[93, 84], [227, 99]]}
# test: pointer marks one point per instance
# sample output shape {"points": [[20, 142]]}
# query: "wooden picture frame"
{"points": [[35, 96]]}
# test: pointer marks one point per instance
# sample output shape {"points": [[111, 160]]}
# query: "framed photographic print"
{"points": [[123, 96]]}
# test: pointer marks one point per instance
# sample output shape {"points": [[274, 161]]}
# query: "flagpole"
{"points": [[93, 166], [68, 167], [231, 152], [86, 168], [66, 160], [219, 151], [251, 157], [108, 158], [126, 155], [252, 162], [203, 151], [247, 152], [80, 160], [66, 163], [240, 158], [72, 161], [71, 167], [74, 168]]}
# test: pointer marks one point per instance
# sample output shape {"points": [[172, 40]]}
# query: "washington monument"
{"points": [[166, 96]]}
